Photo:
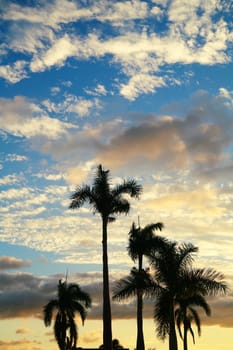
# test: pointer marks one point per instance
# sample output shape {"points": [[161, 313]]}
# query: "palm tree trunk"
{"points": [[107, 318], [172, 334], [140, 336], [185, 341]]}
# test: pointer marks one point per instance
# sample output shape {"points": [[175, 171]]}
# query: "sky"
{"points": [[144, 88]]}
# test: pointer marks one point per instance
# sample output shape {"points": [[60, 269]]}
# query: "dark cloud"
{"points": [[10, 262], [24, 295]]}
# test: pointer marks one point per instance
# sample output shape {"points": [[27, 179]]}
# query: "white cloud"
{"points": [[227, 96], [55, 90], [10, 179], [73, 104], [19, 117], [50, 177], [83, 107], [97, 91], [141, 83], [57, 54], [14, 73], [66, 11], [12, 157], [194, 35]]}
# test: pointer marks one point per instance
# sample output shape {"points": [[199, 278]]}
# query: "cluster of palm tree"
{"points": [[174, 285], [171, 282]]}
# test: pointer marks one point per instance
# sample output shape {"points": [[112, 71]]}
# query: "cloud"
{"points": [[50, 177], [19, 344], [10, 179], [12, 157], [65, 12], [97, 91], [91, 337], [141, 83], [10, 262], [74, 106], [197, 140], [21, 117], [16, 288], [195, 34], [83, 107], [58, 53], [22, 331], [24, 295], [169, 142], [14, 73]]}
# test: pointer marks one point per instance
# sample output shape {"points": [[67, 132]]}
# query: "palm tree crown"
{"points": [[108, 201], [142, 240], [103, 199], [70, 300], [176, 281]]}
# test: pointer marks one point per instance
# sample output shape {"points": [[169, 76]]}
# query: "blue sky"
{"points": [[144, 88]]}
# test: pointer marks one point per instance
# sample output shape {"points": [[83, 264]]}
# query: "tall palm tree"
{"points": [[108, 202], [174, 280], [186, 313], [70, 300], [141, 242]]}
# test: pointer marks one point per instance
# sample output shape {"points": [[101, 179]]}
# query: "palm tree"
{"points": [[175, 279], [108, 202], [141, 242], [71, 299], [138, 283], [186, 314]]}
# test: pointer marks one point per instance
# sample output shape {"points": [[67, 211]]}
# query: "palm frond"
{"points": [[152, 227], [209, 281], [161, 315], [130, 187], [78, 307], [78, 294], [73, 333], [196, 319], [125, 288], [185, 254], [120, 205], [81, 195], [48, 311]]}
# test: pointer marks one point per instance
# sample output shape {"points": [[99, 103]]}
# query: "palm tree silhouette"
{"points": [[139, 283], [70, 300], [186, 313], [108, 202], [175, 279]]}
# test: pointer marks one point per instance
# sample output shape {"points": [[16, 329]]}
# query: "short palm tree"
{"points": [[137, 284], [186, 314], [71, 299], [174, 280], [108, 202], [141, 242]]}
